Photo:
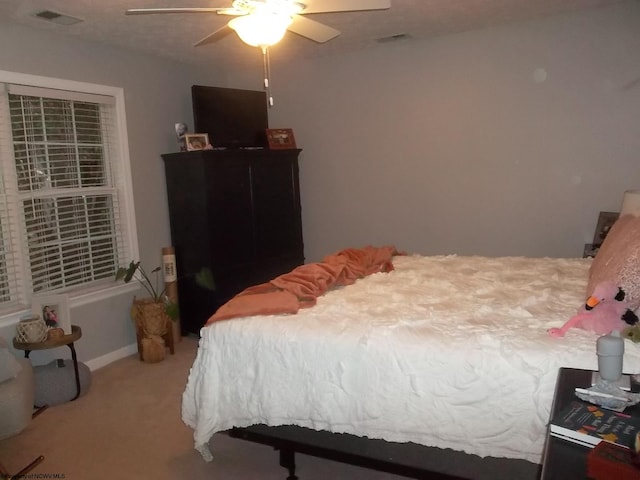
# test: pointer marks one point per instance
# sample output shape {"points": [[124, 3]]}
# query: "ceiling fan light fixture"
{"points": [[261, 29]]}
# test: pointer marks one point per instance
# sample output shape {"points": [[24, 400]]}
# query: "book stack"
{"points": [[587, 424]]}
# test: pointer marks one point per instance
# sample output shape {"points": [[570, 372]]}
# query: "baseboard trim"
{"points": [[111, 357]]}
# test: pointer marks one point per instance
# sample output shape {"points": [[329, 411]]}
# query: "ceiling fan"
{"points": [[264, 22]]}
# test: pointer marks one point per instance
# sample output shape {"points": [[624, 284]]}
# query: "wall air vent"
{"points": [[59, 18]]}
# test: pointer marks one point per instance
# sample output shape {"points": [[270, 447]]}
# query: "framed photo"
{"points": [[605, 222], [54, 310], [181, 131], [196, 141], [280, 138], [590, 250]]}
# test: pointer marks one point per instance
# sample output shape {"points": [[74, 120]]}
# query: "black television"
{"points": [[232, 117]]}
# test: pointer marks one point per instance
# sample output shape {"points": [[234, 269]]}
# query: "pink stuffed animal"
{"points": [[605, 310]]}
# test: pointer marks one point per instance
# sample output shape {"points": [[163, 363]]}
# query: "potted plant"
{"points": [[152, 315], [152, 287]]}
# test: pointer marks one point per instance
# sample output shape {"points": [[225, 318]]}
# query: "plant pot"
{"points": [[150, 317], [153, 326], [153, 349]]}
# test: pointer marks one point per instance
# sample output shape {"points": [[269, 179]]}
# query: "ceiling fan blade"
{"points": [[231, 11], [147, 11], [215, 36], [316, 31], [326, 6]]}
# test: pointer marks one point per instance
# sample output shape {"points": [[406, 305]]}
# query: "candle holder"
{"points": [[31, 329]]}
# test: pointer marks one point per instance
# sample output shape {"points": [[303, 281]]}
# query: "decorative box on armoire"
{"points": [[236, 212]]}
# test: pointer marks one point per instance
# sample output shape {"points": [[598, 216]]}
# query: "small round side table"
{"points": [[76, 333]]}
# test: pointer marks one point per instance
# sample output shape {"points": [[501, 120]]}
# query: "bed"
{"points": [[447, 352]]}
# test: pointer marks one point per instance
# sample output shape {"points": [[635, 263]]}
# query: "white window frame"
{"points": [[126, 195]]}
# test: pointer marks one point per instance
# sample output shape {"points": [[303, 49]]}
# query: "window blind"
{"points": [[13, 291], [61, 223]]}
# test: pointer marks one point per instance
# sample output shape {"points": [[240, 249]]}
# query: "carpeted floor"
{"points": [[128, 426]]}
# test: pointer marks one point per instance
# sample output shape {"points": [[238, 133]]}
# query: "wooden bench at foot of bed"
{"points": [[406, 459]]}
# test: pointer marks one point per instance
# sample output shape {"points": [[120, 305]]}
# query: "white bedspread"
{"points": [[445, 351]]}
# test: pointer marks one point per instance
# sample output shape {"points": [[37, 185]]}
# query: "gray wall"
{"points": [[505, 141], [157, 94], [460, 144]]}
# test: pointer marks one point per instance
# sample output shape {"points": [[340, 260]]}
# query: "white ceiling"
{"points": [[173, 35]]}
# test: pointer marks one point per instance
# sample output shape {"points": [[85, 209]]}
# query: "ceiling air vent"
{"points": [[56, 17], [393, 38]]}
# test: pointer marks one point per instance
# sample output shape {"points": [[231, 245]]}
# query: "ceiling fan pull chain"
{"points": [[267, 74]]}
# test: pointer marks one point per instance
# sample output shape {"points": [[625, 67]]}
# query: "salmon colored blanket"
{"points": [[301, 287]]}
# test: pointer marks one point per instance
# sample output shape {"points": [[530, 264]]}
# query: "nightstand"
{"points": [[564, 460]]}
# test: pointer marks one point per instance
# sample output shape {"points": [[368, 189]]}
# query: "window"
{"points": [[66, 219]]}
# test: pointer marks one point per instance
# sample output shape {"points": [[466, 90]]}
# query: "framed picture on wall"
{"points": [[605, 222], [280, 138], [196, 141], [54, 310]]}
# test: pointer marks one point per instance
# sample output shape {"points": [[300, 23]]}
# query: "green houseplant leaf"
{"points": [[127, 274], [203, 278]]}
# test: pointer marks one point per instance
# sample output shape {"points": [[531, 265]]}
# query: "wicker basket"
{"points": [[153, 349], [150, 317], [31, 329], [153, 329]]}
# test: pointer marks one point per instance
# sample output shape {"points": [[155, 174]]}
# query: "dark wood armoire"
{"points": [[237, 213]]}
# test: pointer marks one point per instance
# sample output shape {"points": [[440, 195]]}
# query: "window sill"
{"points": [[12, 318]]}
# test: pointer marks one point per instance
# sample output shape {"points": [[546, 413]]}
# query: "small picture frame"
{"points": [[590, 250], [280, 138], [54, 310], [196, 141], [605, 222], [181, 130]]}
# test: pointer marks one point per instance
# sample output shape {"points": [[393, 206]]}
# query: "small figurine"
{"points": [[181, 130]]}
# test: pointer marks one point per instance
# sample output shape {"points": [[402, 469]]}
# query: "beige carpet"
{"points": [[128, 426]]}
